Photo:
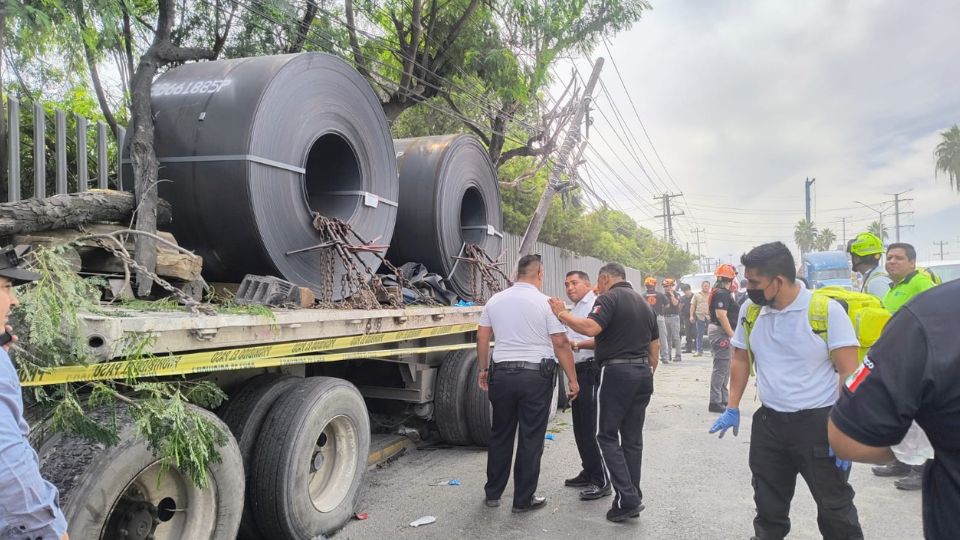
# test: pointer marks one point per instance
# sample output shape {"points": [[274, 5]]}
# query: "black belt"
{"points": [[617, 361], [793, 416], [586, 364], [533, 366]]}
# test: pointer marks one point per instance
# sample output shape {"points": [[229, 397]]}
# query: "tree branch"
{"points": [[91, 61], [303, 27], [413, 47], [471, 125], [440, 59], [358, 60]]}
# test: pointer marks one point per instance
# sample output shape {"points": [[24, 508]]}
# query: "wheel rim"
{"points": [[333, 463], [166, 506]]}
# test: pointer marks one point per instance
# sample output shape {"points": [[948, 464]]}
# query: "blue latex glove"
{"points": [[842, 464], [729, 419]]}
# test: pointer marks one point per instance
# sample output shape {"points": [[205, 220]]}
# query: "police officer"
{"points": [[520, 381], [580, 292], [627, 349], [865, 251], [798, 379], [910, 375]]}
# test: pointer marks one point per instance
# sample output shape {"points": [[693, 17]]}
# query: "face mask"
{"points": [[758, 296]]}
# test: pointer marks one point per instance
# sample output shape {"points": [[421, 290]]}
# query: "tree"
{"points": [[825, 240], [805, 235], [948, 156], [875, 229]]}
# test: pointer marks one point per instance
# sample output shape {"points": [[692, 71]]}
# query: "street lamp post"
{"points": [[879, 212]]}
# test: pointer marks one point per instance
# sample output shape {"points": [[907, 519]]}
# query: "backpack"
{"points": [[865, 311]]}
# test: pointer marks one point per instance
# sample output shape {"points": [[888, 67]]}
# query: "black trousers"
{"points": [[521, 401], [690, 330], [783, 445], [623, 394], [585, 424]]}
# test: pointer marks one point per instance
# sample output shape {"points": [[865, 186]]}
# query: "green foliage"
{"points": [[948, 156], [47, 323], [878, 230], [826, 239], [805, 235]]}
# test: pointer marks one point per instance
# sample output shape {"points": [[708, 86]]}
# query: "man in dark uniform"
{"points": [[688, 329], [627, 346], [910, 374], [529, 338], [670, 341]]}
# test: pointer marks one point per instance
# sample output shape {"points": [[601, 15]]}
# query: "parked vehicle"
{"points": [[827, 268], [946, 270]]}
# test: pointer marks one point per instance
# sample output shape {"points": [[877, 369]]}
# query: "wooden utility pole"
{"points": [[697, 232], [562, 165], [668, 215]]}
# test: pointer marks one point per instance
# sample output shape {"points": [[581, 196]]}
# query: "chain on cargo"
{"points": [[246, 357]]}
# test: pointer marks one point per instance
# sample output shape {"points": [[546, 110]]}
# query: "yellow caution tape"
{"points": [[280, 354]]}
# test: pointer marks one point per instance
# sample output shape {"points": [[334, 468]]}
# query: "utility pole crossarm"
{"points": [[561, 165]]}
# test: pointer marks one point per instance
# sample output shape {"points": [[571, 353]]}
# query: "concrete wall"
{"points": [[557, 262]]}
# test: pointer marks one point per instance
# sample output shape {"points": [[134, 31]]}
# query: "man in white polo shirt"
{"points": [[591, 476], [799, 374], [530, 341]]}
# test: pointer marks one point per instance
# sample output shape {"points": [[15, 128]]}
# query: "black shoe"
{"points": [[595, 492], [664, 361], [677, 359], [578, 481], [536, 503], [896, 468], [716, 407], [492, 503], [912, 482], [617, 515]]}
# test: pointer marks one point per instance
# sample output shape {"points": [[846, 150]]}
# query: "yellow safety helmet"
{"points": [[865, 244]]}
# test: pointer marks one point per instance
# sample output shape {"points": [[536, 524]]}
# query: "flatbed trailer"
{"points": [[299, 383]]}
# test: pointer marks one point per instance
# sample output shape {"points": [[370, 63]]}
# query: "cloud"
{"points": [[746, 99]]}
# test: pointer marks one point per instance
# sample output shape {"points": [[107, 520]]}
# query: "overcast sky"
{"points": [[744, 99]]}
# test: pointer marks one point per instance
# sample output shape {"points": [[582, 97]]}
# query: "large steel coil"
{"points": [[251, 148], [449, 197]]}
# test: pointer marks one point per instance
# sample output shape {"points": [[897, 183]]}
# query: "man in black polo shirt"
{"points": [[911, 373], [627, 344]]}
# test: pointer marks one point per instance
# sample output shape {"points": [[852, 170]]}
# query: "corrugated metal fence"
{"points": [[557, 262], [76, 147]]}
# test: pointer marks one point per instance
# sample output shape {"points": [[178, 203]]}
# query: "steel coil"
{"points": [[449, 197], [251, 148]]}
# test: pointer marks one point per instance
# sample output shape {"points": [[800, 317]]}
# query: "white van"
{"points": [[945, 270]]}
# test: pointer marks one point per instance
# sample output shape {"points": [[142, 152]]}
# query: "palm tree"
{"points": [[948, 156], [825, 239], [805, 234], [874, 228]]}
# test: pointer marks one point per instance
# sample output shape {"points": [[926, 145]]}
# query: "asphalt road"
{"points": [[695, 486]]}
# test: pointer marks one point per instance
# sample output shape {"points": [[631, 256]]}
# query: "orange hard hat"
{"points": [[650, 282], [726, 271], [669, 282]]}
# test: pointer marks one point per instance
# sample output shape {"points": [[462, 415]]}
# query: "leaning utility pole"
{"points": [[668, 214], [560, 166], [697, 232], [806, 188], [896, 211]]}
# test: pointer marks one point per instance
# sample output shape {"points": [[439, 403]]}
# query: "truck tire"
{"points": [[309, 460], [244, 413], [453, 379], [106, 490], [478, 409]]}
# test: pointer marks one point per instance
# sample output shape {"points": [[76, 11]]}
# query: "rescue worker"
{"points": [[910, 376], [724, 311], [701, 314], [591, 476], [907, 280], [29, 505], [865, 251], [627, 343], [671, 321], [797, 383], [657, 301], [520, 381], [688, 327]]}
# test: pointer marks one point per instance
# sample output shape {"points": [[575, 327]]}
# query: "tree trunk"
{"points": [[71, 210], [143, 155]]}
